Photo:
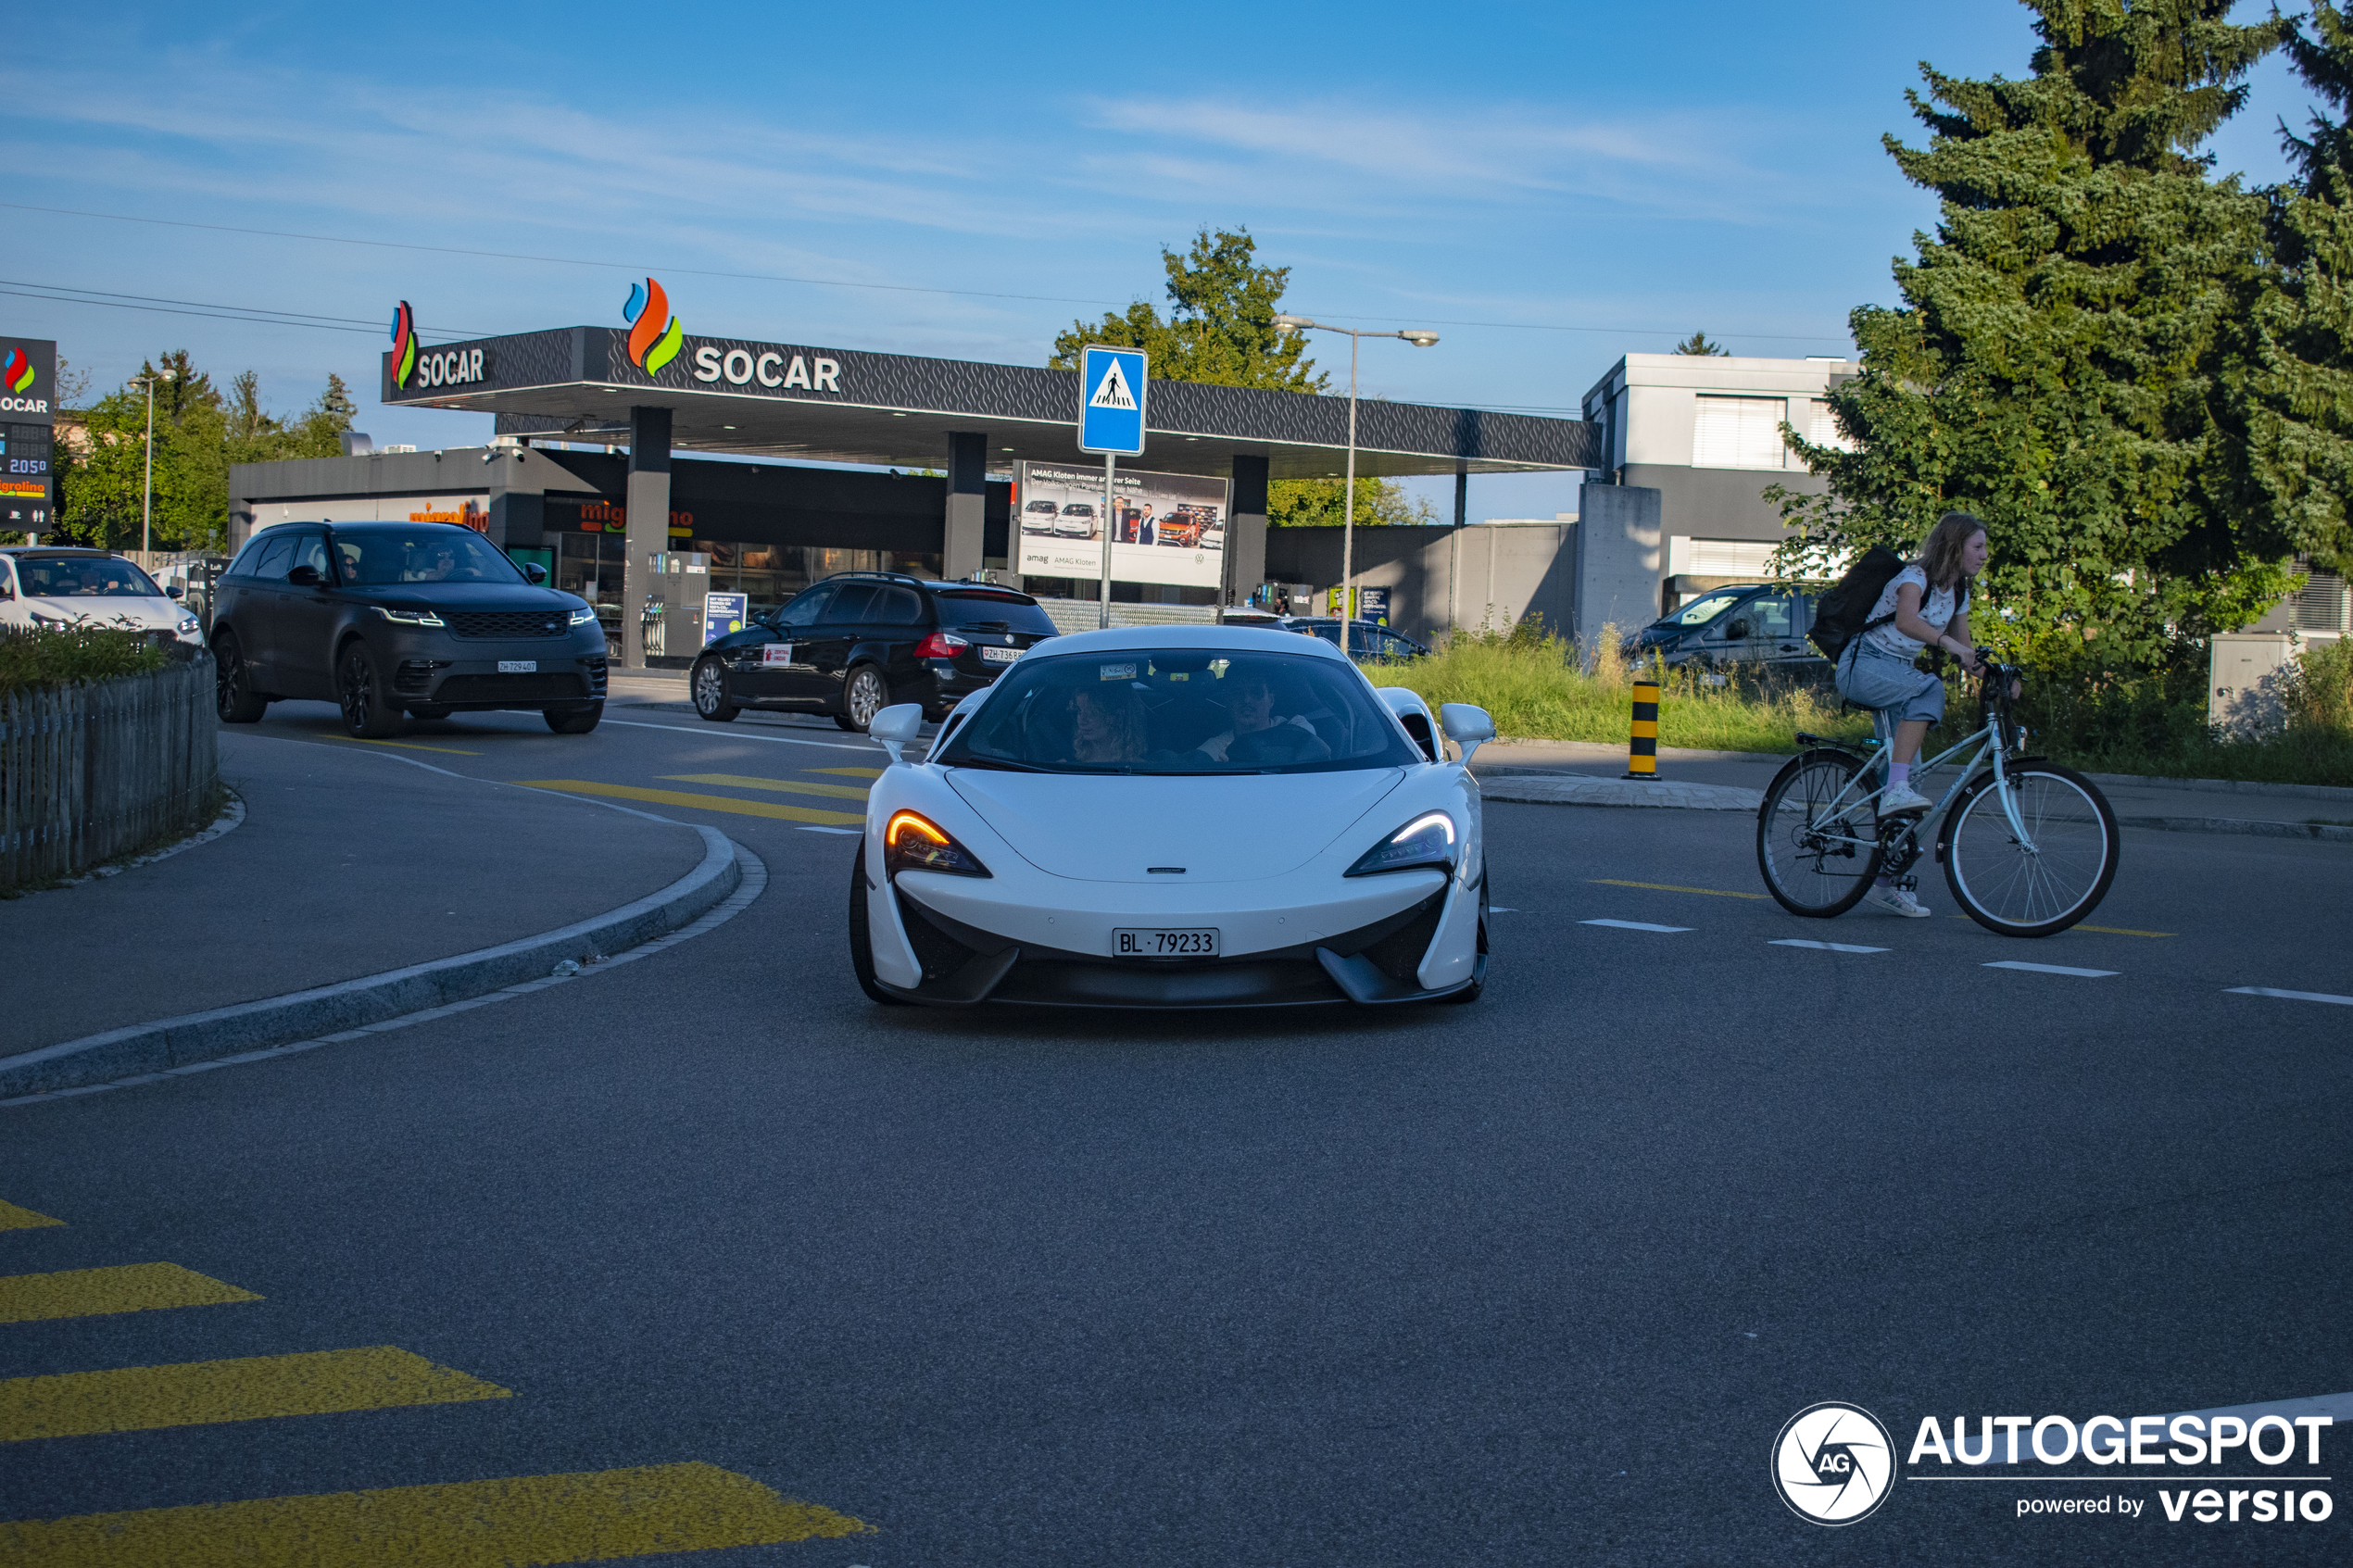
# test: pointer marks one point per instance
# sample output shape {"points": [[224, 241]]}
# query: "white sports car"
{"points": [[1176, 816]]}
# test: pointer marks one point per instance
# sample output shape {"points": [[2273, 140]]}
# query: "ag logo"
{"points": [[1833, 1463]]}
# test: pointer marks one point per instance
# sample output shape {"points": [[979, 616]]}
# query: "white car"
{"points": [[63, 585], [1176, 816]]}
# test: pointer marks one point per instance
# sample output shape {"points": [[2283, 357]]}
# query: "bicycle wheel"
{"points": [[1818, 853], [2058, 876]]}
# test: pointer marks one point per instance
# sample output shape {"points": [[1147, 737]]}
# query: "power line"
{"points": [[840, 283], [60, 294]]}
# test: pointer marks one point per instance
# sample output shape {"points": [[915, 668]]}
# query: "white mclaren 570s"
{"points": [[1176, 816]]}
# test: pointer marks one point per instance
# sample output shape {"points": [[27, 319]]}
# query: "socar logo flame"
{"points": [[654, 333], [404, 345], [17, 374]]}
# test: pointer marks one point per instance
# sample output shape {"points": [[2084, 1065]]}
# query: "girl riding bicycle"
{"points": [[1924, 605]]}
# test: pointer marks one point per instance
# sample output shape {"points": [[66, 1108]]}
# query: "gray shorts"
{"points": [[1869, 676]]}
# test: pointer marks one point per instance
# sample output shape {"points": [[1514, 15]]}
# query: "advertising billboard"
{"points": [[1165, 528]]}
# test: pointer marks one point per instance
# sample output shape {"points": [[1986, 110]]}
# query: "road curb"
{"points": [[2327, 833], [247, 1026]]}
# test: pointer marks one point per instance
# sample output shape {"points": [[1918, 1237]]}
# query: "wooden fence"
{"points": [[96, 769]]}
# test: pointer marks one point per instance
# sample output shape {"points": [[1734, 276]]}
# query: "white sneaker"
{"points": [[1901, 800], [1895, 902]]}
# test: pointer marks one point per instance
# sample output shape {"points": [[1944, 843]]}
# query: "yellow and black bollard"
{"points": [[1641, 751]]}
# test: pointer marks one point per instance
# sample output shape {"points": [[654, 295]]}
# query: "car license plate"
{"points": [[1194, 944], [999, 656], [518, 667]]}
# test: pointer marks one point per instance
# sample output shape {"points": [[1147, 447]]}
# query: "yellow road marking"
{"points": [[15, 1219], [590, 1517], [787, 786], [143, 1398], [848, 772], [129, 1287], [1670, 888], [695, 802], [404, 744], [2103, 930]]}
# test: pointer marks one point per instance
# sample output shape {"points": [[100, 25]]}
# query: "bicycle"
{"points": [[2028, 848]]}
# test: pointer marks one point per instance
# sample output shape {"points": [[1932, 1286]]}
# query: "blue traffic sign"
{"points": [[1111, 400]]}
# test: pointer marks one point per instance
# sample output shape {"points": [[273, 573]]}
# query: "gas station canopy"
{"points": [[832, 405]]}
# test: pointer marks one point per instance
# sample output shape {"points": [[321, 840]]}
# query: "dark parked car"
{"points": [[1368, 641], [1747, 624], [861, 641], [385, 617]]}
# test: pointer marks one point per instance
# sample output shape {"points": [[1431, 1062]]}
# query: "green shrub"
{"points": [[43, 659], [2079, 711]]}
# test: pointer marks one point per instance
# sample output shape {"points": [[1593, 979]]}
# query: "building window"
{"points": [[1740, 433], [2321, 604], [1822, 430]]}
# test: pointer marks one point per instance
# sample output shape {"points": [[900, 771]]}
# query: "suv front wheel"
{"points": [[366, 713], [866, 694]]}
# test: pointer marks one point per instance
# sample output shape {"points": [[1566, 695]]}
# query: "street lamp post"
{"points": [[148, 500], [1348, 496]]}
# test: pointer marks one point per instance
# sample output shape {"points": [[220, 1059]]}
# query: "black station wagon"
{"points": [[859, 641], [387, 619]]}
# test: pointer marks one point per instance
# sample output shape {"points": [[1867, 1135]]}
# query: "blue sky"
{"points": [[1590, 180]]}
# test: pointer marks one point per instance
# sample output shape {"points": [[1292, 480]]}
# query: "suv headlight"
{"points": [[913, 843], [1427, 841], [584, 617], [410, 616]]}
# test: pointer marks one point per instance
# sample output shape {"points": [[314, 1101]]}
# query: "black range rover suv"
{"points": [[384, 618], [861, 641]]}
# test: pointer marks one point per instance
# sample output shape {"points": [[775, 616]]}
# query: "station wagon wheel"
{"points": [[866, 695], [365, 711], [708, 685]]}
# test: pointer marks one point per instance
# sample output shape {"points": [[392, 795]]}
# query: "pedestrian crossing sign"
{"points": [[1111, 400]]}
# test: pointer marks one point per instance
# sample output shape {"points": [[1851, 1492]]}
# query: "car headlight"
{"points": [[584, 617], [410, 616], [1427, 841], [913, 843], [188, 623]]}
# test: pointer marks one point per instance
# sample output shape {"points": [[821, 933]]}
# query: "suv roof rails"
{"points": [[885, 576]]}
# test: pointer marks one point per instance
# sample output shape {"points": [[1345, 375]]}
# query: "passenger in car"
{"points": [[1107, 725]]}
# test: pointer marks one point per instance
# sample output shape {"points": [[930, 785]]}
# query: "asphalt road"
{"points": [[1537, 1280]]}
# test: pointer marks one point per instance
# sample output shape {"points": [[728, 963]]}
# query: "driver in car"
{"points": [[1262, 736]]}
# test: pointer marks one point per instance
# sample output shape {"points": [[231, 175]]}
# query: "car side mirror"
{"points": [[1736, 630], [1467, 725], [305, 577], [533, 572], [175, 592], [895, 727]]}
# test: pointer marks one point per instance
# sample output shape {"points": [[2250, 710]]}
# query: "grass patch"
{"points": [[1535, 689], [2149, 724], [46, 657]]}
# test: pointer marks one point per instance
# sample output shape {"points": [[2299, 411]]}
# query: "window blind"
{"points": [[1739, 432]]}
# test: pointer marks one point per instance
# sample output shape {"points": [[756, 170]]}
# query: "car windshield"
{"points": [[1702, 611], [74, 577], [373, 557], [1181, 710]]}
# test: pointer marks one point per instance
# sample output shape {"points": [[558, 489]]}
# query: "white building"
{"points": [[1704, 434]]}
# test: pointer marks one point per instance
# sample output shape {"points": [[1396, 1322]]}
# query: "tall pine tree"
{"points": [[2055, 362], [2293, 392]]}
